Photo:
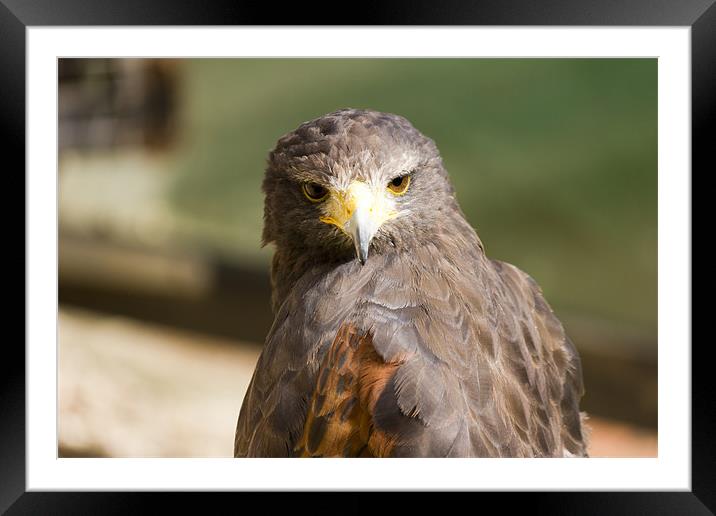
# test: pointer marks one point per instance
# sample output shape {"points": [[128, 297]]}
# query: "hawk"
{"points": [[394, 334]]}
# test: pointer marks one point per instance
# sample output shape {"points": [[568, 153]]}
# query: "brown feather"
{"points": [[350, 380]]}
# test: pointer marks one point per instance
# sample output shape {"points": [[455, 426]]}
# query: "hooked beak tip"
{"points": [[362, 251]]}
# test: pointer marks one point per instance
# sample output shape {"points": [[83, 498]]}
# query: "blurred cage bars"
{"points": [[109, 103]]}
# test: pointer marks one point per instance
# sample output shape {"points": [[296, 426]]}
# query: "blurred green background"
{"points": [[554, 162]]}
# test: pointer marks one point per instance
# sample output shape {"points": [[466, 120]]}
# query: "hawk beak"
{"points": [[359, 211], [361, 229]]}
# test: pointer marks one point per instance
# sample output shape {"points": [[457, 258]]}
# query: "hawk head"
{"points": [[352, 183]]}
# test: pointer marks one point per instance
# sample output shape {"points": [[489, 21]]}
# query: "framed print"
{"points": [[569, 132]]}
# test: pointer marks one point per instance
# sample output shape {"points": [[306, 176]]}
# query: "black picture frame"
{"points": [[17, 15]]}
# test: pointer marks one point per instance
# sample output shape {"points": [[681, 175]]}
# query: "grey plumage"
{"points": [[429, 349]]}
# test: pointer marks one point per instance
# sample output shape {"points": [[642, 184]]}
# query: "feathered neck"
{"points": [[291, 263]]}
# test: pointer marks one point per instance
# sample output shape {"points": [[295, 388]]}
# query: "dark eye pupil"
{"points": [[315, 190], [398, 181]]}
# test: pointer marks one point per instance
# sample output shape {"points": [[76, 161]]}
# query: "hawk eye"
{"points": [[314, 192], [399, 185]]}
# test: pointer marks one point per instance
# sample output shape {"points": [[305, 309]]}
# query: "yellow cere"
{"points": [[359, 196]]}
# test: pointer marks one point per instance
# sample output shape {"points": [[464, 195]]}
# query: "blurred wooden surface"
{"points": [[129, 389], [133, 389]]}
